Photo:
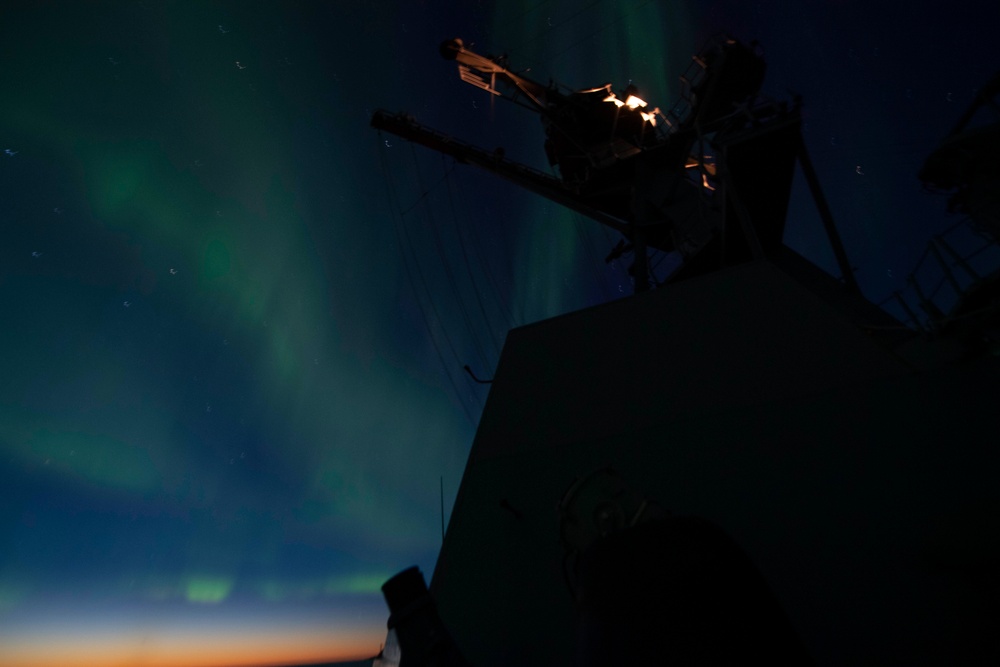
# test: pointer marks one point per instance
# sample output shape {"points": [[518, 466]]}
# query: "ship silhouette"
{"points": [[746, 460]]}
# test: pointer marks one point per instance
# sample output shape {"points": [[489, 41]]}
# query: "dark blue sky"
{"points": [[234, 332]]}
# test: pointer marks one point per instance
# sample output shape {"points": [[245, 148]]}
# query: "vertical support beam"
{"points": [[932, 310], [958, 259], [909, 311], [644, 185], [949, 276], [640, 267], [827, 217], [746, 224]]}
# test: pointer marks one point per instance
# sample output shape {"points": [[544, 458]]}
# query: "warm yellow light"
{"points": [[650, 116], [612, 98], [707, 167], [632, 102]]}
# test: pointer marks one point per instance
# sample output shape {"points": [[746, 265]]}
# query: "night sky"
{"points": [[235, 317]]}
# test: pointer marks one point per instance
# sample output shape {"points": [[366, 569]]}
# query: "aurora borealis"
{"points": [[235, 317]]}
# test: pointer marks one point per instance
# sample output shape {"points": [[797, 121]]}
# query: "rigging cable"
{"points": [[481, 257], [588, 249], [399, 233], [447, 267], [424, 194], [468, 266]]}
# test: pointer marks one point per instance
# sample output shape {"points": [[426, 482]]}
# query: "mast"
{"points": [[709, 179]]}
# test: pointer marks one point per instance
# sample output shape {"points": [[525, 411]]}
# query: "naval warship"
{"points": [[746, 459]]}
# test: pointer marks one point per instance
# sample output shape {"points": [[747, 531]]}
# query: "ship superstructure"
{"points": [[851, 454]]}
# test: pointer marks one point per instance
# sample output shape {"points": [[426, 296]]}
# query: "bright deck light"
{"points": [[632, 102]]}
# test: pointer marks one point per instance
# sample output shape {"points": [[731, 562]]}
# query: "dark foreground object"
{"points": [[678, 591], [423, 639]]}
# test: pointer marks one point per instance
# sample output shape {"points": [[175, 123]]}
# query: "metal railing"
{"points": [[954, 263]]}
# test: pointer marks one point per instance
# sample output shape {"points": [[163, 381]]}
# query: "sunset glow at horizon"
{"points": [[145, 640]]}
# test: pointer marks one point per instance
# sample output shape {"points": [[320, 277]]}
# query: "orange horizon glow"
{"points": [[260, 649]]}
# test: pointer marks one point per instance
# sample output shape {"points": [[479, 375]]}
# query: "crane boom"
{"points": [[552, 188]]}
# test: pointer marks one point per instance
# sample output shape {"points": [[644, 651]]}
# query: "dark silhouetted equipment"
{"points": [[832, 470], [967, 163], [423, 639], [637, 573], [709, 179]]}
